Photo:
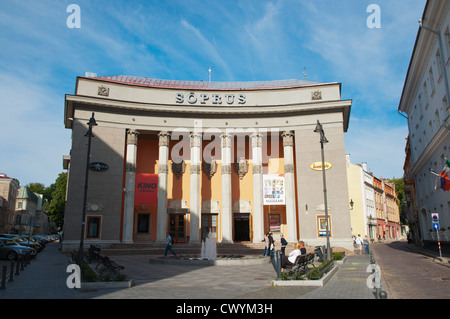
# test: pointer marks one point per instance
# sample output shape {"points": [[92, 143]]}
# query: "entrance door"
{"points": [[177, 227], [241, 227], [142, 227]]}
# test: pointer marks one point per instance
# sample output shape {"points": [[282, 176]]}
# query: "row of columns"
{"points": [[195, 171]]}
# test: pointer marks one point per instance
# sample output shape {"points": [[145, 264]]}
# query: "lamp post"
{"points": [[323, 139], [91, 123]]}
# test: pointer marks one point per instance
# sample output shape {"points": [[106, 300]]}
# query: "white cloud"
{"points": [[33, 135]]}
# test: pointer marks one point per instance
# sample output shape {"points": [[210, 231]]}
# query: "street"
{"points": [[407, 274]]}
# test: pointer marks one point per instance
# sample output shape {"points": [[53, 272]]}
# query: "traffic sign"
{"points": [[435, 217], [436, 226]]}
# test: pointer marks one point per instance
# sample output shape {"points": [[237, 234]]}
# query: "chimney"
{"points": [[364, 166]]}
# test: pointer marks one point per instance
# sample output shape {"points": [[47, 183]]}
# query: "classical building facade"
{"points": [[425, 100], [236, 159]]}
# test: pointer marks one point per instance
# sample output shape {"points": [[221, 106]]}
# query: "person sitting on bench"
{"points": [[289, 260]]}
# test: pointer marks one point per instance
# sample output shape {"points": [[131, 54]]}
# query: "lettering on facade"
{"points": [[203, 98]]}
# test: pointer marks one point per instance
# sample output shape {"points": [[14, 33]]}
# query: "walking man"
{"points": [[169, 243]]}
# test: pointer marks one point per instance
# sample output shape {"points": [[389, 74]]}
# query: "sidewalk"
{"points": [[46, 278]]}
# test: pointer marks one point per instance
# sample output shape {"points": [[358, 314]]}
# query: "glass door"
{"points": [[177, 227]]}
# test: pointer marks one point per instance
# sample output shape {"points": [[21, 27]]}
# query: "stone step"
{"points": [[182, 248]]}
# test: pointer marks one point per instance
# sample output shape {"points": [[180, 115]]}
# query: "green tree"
{"points": [[41, 189], [56, 205]]}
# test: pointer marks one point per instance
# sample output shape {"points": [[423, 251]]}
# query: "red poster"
{"points": [[146, 190]]}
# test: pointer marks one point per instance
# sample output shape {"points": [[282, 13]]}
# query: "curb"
{"points": [[315, 283], [247, 260], [107, 284]]}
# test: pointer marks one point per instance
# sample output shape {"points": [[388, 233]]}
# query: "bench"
{"points": [[94, 253], [310, 259], [109, 265], [295, 270]]}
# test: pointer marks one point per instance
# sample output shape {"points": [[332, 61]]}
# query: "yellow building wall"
{"points": [[210, 189], [355, 192]]}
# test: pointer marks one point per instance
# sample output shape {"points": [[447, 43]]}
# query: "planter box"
{"points": [[107, 284], [315, 283]]}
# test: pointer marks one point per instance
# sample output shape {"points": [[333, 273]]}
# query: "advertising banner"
{"points": [[146, 190], [274, 192]]}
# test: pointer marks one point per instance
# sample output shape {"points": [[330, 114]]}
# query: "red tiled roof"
{"points": [[205, 85]]}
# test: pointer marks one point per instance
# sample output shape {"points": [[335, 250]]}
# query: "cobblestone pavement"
{"points": [[46, 278], [409, 272]]}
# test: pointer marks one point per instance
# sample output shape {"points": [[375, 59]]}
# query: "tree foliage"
{"points": [[57, 200]]}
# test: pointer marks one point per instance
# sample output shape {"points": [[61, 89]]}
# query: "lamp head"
{"points": [[318, 128], [92, 121]]}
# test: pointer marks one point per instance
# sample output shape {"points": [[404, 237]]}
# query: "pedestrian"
{"points": [[290, 259], [271, 244], [366, 244], [284, 243], [266, 243], [301, 246], [359, 243], [169, 244]]}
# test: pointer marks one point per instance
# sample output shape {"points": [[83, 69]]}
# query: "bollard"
{"points": [[21, 263], [3, 286], [11, 272], [276, 263], [17, 267]]}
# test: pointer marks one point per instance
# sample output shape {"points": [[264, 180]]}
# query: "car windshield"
{"points": [[9, 242]]}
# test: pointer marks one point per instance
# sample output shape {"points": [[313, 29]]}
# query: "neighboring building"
{"points": [[411, 208], [25, 214], [425, 101], [371, 200], [41, 222], [236, 159], [8, 193]]}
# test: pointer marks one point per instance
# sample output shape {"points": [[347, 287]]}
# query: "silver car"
{"points": [[11, 250]]}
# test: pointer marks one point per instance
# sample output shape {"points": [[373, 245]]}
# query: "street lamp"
{"points": [[323, 139], [91, 123]]}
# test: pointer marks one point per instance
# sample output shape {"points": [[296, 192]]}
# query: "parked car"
{"points": [[11, 250], [24, 241]]}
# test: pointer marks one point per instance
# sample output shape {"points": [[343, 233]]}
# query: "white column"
{"points": [[258, 208], [227, 215], [163, 168], [196, 142], [130, 180], [289, 179]]}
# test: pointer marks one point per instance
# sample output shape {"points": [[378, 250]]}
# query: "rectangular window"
{"points": [[93, 226]]}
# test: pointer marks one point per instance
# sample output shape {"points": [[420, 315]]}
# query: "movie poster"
{"points": [[273, 192]]}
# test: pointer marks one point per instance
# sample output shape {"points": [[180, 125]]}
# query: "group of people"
{"points": [[286, 260], [362, 242]]}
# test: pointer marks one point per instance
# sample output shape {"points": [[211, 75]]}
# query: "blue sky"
{"points": [[244, 40]]}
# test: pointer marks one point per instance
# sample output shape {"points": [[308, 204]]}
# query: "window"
{"points": [[439, 65], [93, 227], [431, 80]]}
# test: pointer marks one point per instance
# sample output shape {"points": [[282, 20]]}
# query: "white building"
{"points": [[425, 102]]}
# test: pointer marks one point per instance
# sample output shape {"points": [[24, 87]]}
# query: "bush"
{"points": [[338, 255]]}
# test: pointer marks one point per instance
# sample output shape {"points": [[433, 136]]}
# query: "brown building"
{"points": [[8, 192]]}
